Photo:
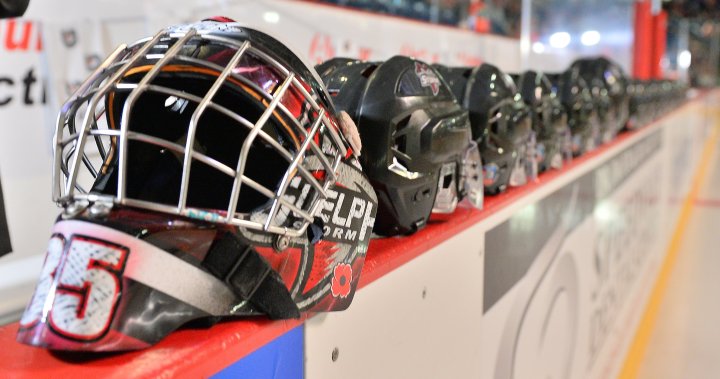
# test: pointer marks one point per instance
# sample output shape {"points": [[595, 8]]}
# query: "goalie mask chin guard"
{"points": [[418, 149], [203, 173]]}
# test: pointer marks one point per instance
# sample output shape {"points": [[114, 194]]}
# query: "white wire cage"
{"points": [[312, 153]]}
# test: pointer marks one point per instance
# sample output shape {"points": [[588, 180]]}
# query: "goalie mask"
{"points": [[203, 173], [418, 151]]}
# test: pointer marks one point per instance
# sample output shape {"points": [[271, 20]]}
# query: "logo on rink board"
{"points": [[584, 245]]}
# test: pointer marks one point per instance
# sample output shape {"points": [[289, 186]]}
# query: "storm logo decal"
{"points": [[344, 213]]}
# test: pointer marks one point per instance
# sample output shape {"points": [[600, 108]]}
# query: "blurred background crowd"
{"points": [[693, 25], [485, 16]]}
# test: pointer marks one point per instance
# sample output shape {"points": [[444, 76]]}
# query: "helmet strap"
{"points": [[250, 276]]}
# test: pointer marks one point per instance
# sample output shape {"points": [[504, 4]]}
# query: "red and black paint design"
{"points": [[319, 277], [309, 270]]}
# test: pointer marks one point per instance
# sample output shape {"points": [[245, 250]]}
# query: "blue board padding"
{"points": [[280, 359]]}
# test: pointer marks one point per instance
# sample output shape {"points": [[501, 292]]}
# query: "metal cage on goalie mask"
{"points": [[245, 131]]}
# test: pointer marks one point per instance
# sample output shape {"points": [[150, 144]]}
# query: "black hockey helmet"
{"points": [[418, 151], [583, 120], [609, 86], [499, 119], [549, 119]]}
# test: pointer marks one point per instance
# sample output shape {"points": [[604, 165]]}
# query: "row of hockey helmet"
{"points": [[650, 99], [418, 151], [208, 172]]}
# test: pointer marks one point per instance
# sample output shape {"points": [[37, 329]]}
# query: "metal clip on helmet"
{"points": [[583, 120], [500, 122], [549, 119], [203, 173], [417, 151]]}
